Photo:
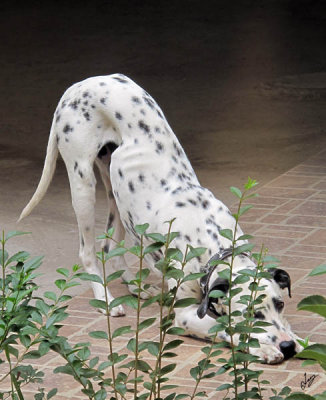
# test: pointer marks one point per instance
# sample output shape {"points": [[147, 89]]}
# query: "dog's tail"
{"points": [[47, 174]]}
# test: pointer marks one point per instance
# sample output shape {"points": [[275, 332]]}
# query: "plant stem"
{"points": [[230, 299], [253, 296], [3, 272], [141, 256], [109, 326], [203, 369]]}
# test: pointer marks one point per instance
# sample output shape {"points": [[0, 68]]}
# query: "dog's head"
{"points": [[278, 334]]}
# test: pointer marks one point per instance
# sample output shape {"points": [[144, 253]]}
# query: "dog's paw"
{"points": [[268, 354], [117, 311]]}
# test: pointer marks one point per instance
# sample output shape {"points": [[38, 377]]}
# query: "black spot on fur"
{"points": [[74, 104], [87, 116], [148, 205], [136, 100], [67, 128], [187, 237], [163, 182], [103, 100], [57, 119], [102, 84], [150, 102], [205, 204], [120, 173], [75, 166], [121, 80], [276, 325], [180, 204], [159, 147], [191, 201], [141, 177], [80, 174], [86, 94], [131, 187], [159, 114], [143, 126], [259, 315], [118, 116], [177, 190]]}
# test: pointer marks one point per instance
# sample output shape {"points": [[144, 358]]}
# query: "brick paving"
{"points": [[289, 217]]}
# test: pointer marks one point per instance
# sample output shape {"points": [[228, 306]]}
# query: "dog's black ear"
{"points": [[206, 306], [282, 278]]}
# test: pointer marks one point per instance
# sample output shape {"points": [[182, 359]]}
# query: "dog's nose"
{"points": [[288, 348]]}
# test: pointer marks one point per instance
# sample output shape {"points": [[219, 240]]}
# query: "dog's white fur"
{"points": [[148, 178]]}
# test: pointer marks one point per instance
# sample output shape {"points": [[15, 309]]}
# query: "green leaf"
{"points": [[315, 352], [174, 254], [299, 396], [216, 294], [247, 247], [116, 252], [321, 269], [121, 331], [194, 276], [157, 237], [195, 252], [237, 192], [174, 273], [21, 256], [114, 276], [98, 335], [244, 209], [51, 296], [188, 301], [153, 247], [141, 229], [12, 234], [314, 303], [225, 386], [63, 271], [145, 324], [52, 393], [66, 369], [245, 237], [129, 300], [227, 233], [98, 304], [84, 276], [173, 344], [175, 331], [168, 368]]}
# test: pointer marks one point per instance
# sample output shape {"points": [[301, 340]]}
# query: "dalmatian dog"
{"points": [[114, 123]]}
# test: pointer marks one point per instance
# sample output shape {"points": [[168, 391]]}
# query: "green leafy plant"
{"points": [[313, 353], [34, 322], [17, 320]]}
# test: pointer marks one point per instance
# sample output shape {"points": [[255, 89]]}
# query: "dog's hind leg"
{"points": [[82, 184], [113, 221]]}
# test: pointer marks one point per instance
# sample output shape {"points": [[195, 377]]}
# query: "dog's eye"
{"points": [[278, 304]]}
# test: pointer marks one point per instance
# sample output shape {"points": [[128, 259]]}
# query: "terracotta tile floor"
{"points": [[290, 219]]}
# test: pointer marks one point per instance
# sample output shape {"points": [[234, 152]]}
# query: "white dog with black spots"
{"points": [[114, 123]]}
